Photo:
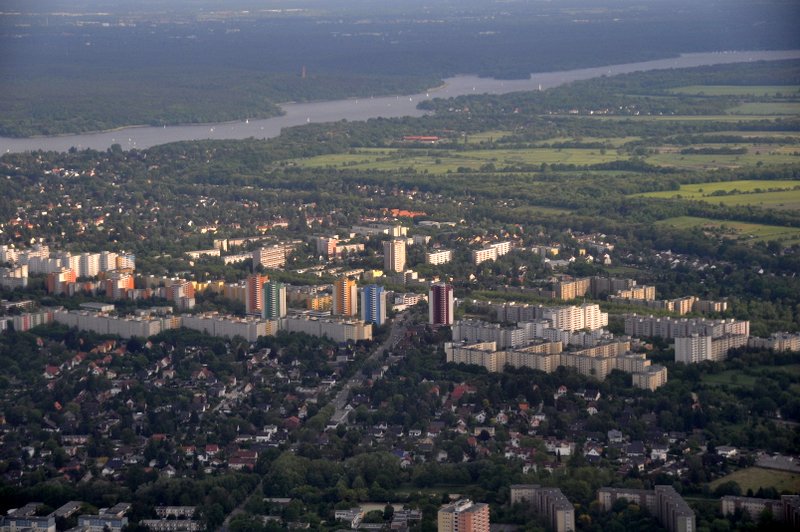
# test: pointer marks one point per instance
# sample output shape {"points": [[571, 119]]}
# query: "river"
{"points": [[364, 108]]}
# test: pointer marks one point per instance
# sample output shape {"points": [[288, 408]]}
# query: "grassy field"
{"points": [[738, 378], [742, 231], [682, 118], [757, 477], [767, 108], [487, 136], [755, 155], [738, 90], [784, 194], [614, 142], [450, 161]]}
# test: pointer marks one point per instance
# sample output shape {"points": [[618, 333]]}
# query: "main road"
{"points": [[397, 331]]}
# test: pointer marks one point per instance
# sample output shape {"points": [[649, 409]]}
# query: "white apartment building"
{"points": [[435, 258]]}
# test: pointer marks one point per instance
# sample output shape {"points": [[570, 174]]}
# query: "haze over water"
{"points": [[356, 109]]}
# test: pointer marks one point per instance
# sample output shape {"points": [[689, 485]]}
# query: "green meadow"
{"points": [[738, 90], [766, 108], [742, 231], [773, 194], [753, 478]]}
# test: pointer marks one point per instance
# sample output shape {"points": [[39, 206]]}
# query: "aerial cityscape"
{"points": [[471, 265]]}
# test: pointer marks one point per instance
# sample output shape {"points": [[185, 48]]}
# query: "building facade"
{"points": [[394, 255], [373, 304], [464, 516], [345, 297], [441, 304]]}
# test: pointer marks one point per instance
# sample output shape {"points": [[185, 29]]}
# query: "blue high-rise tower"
{"points": [[373, 304]]}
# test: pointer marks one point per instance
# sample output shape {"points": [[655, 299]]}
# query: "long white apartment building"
{"points": [[40, 259], [124, 327], [490, 252], [435, 258], [596, 362], [665, 327], [571, 325], [776, 342], [338, 330], [698, 348], [572, 318], [249, 328], [481, 331]]}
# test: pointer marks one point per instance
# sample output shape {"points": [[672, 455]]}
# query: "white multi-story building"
{"points": [[270, 256], [698, 348], [572, 318], [394, 255], [484, 254], [89, 265], [650, 326], [338, 330], [435, 258], [223, 326]]}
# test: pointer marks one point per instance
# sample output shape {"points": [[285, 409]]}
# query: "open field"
{"points": [[746, 134], [783, 194], [754, 155], [681, 118], [487, 136], [615, 142], [737, 90], [767, 108], [450, 161], [757, 477], [742, 231], [740, 378]]}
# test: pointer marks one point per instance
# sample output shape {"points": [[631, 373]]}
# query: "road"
{"points": [[398, 330]]}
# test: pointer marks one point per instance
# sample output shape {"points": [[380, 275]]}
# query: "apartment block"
{"points": [[345, 297], [572, 289], [666, 505], [650, 326], [651, 378], [696, 348], [124, 327], [481, 331], [464, 516], [274, 300], [776, 342], [326, 246], [225, 326], [752, 506], [572, 318], [482, 255], [394, 255], [338, 330], [550, 502], [373, 304], [270, 256], [254, 302], [435, 258], [441, 304]]}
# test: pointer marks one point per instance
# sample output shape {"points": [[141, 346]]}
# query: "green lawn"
{"points": [[757, 477], [783, 194], [738, 90], [742, 231]]}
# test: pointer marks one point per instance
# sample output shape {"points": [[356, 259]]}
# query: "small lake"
{"points": [[354, 109]]}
